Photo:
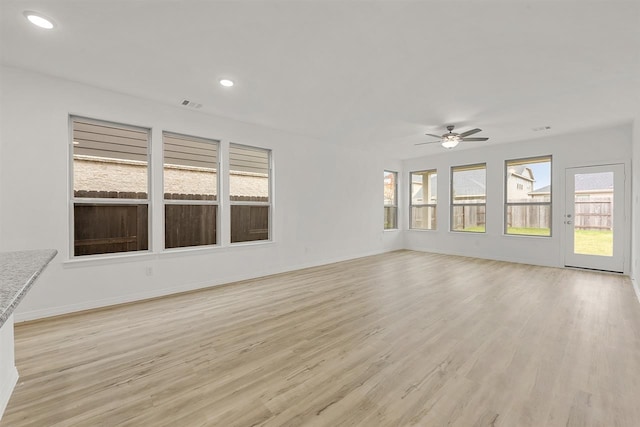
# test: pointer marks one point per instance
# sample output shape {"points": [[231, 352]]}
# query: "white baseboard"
{"points": [[6, 388], [514, 260], [23, 316]]}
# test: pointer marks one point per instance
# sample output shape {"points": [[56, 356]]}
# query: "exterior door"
{"points": [[594, 217]]}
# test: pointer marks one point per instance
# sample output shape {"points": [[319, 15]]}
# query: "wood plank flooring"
{"points": [[400, 339]]}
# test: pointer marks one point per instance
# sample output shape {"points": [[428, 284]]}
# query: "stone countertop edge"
{"points": [[18, 271]]}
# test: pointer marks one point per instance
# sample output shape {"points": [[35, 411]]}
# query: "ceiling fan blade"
{"points": [[470, 132], [430, 142], [435, 136], [474, 139]]}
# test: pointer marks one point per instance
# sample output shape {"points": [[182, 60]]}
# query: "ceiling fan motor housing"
{"points": [[451, 139]]}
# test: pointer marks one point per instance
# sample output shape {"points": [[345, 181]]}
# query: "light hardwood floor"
{"points": [[400, 339]]}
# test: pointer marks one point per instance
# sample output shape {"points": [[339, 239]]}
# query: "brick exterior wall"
{"points": [[130, 176]]}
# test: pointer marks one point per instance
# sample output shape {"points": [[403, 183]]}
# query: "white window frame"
{"points": [[507, 204], [395, 199], [73, 200], [451, 196], [269, 203], [422, 205], [188, 202]]}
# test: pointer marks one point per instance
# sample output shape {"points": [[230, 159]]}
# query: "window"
{"points": [[468, 198], [527, 209], [110, 202], [423, 200], [249, 193], [190, 190], [390, 200]]}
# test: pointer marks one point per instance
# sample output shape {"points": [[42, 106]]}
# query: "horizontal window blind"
{"points": [[181, 150], [109, 142], [248, 159]]}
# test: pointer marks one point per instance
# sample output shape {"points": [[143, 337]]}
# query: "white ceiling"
{"points": [[367, 74]]}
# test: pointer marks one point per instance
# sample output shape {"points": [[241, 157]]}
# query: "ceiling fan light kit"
{"points": [[452, 139], [450, 142]]}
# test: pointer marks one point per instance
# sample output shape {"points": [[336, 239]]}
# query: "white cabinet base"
{"points": [[8, 371]]}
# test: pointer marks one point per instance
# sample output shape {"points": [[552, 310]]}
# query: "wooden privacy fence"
{"points": [[529, 216], [423, 217], [390, 217], [180, 196], [593, 214], [189, 225], [589, 215], [143, 195], [109, 194], [106, 228], [101, 229], [468, 216]]}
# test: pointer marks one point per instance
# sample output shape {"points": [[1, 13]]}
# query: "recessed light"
{"points": [[226, 82], [39, 20]]}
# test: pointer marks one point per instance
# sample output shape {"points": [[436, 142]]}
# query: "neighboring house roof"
{"points": [[418, 195], [542, 190], [522, 172], [473, 184], [585, 183]]}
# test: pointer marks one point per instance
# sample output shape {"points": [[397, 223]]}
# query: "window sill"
{"points": [[91, 260], [422, 230], [388, 230], [473, 233], [189, 250], [251, 243], [535, 236]]}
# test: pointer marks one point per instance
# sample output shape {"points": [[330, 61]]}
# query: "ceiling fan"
{"points": [[452, 139]]}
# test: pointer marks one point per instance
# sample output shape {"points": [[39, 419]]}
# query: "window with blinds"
{"points": [[190, 178], [249, 193], [110, 181], [469, 198]]}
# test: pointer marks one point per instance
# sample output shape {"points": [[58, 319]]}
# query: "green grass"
{"points": [[476, 229], [529, 231], [593, 242]]}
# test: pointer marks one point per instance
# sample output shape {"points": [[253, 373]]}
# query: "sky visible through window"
{"points": [[541, 173]]}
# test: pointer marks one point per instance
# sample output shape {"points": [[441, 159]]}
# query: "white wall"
{"points": [[2, 125], [328, 199], [635, 242], [600, 146]]}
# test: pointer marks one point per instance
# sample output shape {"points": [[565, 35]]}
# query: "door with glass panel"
{"points": [[594, 217]]}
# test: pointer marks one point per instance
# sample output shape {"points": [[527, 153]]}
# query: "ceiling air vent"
{"points": [[190, 104], [541, 128]]}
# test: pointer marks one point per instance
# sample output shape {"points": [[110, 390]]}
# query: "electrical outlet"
{"points": [[149, 271]]}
